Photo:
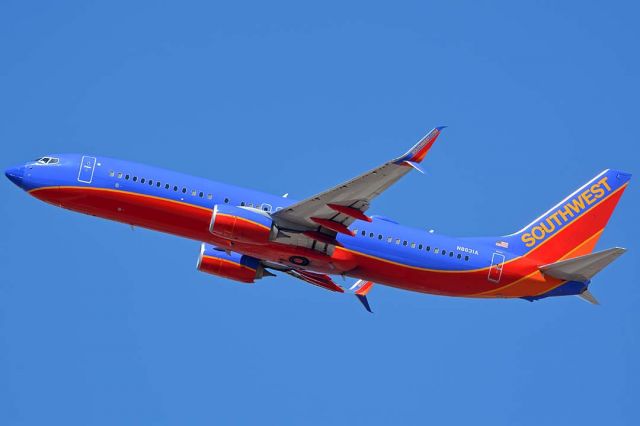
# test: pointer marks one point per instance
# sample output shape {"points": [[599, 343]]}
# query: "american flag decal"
{"points": [[502, 244]]}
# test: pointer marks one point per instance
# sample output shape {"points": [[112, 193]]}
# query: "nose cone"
{"points": [[15, 175]]}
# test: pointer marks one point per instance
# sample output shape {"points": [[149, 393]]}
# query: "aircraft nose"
{"points": [[15, 175]]}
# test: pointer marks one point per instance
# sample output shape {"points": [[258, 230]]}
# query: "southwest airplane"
{"points": [[246, 234]]}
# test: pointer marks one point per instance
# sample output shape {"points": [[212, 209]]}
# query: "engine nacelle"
{"points": [[242, 224], [234, 266]]}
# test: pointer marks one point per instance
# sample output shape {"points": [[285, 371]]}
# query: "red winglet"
{"points": [[350, 211], [334, 226]]}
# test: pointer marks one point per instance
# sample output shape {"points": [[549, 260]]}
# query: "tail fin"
{"points": [[572, 227]]}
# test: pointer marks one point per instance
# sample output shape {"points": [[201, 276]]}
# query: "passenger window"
{"points": [[126, 177], [420, 247], [364, 233], [175, 188], [209, 196], [428, 248], [413, 245], [226, 200], [404, 243], [158, 184], [466, 258], [390, 239], [201, 194], [398, 241], [141, 180], [459, 256], [450, 254], [242, 203], [436, 250], [135, 178], [444, 252], [166, 186], [184, 190], [266, 207], [355, 231], [150, 182], [194, 192], [111, 173], [380, 236], [119, 175], [371, 235]]}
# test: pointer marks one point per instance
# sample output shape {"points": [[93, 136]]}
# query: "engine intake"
{"points": [[242, 224], [234, 266]]}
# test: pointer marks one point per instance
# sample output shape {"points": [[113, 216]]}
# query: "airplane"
{"points": [[247, 235]]}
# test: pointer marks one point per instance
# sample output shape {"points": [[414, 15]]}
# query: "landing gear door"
{"points": [[495, 271], [87, 166]]}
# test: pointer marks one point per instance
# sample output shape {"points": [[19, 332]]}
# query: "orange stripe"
{"points": [[566, 256]]}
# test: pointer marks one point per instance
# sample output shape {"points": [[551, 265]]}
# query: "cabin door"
{"points": [[87, 166]]}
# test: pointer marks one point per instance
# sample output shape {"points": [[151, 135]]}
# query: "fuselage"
{"points": [[382, 251]]}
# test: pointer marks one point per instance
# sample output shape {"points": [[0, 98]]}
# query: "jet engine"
{"points": [[242, 224], [230, 265]]}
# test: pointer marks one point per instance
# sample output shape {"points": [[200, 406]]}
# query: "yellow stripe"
{"points": [[121, 191], [486, 268], [409, 266], [349, 250]]}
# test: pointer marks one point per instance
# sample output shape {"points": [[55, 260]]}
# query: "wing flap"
{"points": [[319, 280]]}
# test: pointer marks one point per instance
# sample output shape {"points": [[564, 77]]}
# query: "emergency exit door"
{"points": [[495, 271]]}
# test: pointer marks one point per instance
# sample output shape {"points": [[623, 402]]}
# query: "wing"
{"points": [[322, 216]]}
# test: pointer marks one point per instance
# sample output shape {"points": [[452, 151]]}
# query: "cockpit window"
{"points": [[47, 160]]}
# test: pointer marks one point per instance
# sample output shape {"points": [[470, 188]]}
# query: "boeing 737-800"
{"points": [[247, 235]]}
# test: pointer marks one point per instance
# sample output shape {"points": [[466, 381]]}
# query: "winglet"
{"points": [[414, 165], [417, 153], [360, 289]]}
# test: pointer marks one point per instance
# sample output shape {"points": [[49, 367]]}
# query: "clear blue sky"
{"points": [[102, 325]]}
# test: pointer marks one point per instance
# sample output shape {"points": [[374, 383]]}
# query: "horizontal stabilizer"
{"points": [[582, 268], [588, 297]]}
